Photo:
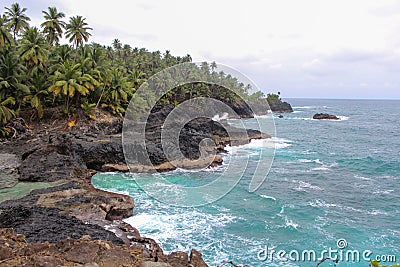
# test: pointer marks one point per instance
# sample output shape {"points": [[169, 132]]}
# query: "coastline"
{"points": [[68, 206]]}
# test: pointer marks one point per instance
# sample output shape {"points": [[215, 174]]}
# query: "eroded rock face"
{"points": [[324, 116], [280, 106], [102, 150], [64, 155], [196, 259], [191, 135], [41, 224], [178, 258], [49, 161], [15, 251], [75, 209], [243, 110], [9, 164]]}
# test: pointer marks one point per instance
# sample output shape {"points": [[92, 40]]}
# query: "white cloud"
{"points": [[313, 43], [276, 66], [312, 63]]}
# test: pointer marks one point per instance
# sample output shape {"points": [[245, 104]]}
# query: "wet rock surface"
{"points": [[41, 224], [280, 106], [324, 116], [9, 164], [85, 251]]}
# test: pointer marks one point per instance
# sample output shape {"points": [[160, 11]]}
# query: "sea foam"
{"points": [[274, 142]]}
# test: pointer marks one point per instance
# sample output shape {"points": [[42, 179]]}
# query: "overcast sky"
{"points": [[307, 48]]}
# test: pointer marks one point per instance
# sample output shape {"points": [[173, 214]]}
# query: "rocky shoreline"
{"points": [[280, 106], [49, 224]]}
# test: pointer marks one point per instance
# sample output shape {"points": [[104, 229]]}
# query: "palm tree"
{"points": [[17, 20], [77, 31], [5, 37], [116, 44], [38, 87], [105, 80], [97, 57], [70, 81], [53, 26], [6, 113], [187, 58], [213, 66], [12, 77], [61, 54], [167, 57], [127, 50], [119, 90], [138, 77], [33, 49], [205, 68]]}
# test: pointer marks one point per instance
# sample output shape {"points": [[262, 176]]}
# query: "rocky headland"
{"points": [[279, 106], [325, 116]]}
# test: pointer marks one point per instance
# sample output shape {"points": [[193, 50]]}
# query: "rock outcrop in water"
{"points": [[261, 107], [324, 116], [280, 106]]}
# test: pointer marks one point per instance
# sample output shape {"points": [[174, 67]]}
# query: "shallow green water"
{"points": [[22, 189]]}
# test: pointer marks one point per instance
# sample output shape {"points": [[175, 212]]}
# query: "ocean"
{"points": [[332, 191]]}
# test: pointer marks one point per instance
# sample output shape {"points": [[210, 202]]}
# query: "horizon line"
{"points": [[333, 98]]}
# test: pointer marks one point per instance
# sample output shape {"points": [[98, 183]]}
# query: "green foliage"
{"points": [[36, 72], [257, 96], [274, 97], [6, 113], [77, 31], [88, 109], [6, 38], [38, 93], [32, 49], [115, 109], [17, 20], [53, 26], [5, 131]]}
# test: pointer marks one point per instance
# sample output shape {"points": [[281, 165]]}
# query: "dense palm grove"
{"points": [[37, 72]]}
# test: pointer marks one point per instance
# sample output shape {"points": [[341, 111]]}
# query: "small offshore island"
{"points": [[61, 120]]}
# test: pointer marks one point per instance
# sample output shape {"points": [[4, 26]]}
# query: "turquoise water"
{"points": [[330, 180]]}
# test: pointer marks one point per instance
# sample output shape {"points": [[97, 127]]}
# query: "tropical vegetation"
{"points": [[38, 72], [274, 97]]}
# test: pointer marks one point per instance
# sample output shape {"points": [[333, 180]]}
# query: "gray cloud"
{"points": [[351, 43], [353, 55], [106, 34], [392, 9], [145, 6]]}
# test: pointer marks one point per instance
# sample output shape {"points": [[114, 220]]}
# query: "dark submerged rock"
{"points": [[280, 106], [324, 116]]}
